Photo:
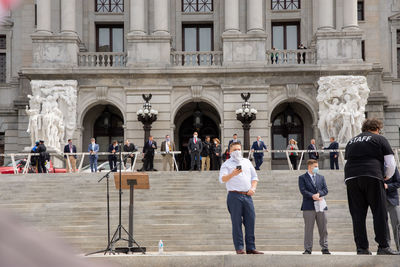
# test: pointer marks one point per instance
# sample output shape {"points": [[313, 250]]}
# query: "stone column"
{"points": [[43, 16], [68, 17], [255, 15], [325, 12], [161, 17], [137, 18], [350, 19], [232, 15]]}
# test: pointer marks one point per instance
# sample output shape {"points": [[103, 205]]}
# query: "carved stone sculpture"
{"points": [[52, 112], [342, 101]]}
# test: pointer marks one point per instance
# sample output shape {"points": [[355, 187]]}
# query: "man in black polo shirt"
{"points": [[369, 161]]}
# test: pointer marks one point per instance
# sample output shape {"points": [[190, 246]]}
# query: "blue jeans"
{"points": [[258, 160], [241, 209], [93, 163]]}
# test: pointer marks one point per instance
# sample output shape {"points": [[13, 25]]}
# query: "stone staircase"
{"points": [[187, 210]]}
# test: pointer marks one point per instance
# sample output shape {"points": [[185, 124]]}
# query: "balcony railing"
{"points": [[102, 59], [291, 57], [196, 58]]}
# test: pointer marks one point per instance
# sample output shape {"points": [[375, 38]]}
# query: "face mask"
{"points": [[195, 136], [237, 155], [93, 143], [215, 143], [315, 170], [167, 139]]}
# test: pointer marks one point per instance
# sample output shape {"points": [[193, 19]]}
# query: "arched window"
{"points": [[285, 126]]}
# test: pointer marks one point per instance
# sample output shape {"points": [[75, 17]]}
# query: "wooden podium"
{"points": [[131, 181]]}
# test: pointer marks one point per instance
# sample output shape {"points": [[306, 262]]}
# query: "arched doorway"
{"points": [[104, 123], [194, 116], [289, 121]]}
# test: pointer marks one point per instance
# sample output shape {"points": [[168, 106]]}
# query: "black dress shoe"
{"points": [[254, 252], [325, 251], [240, 251], [387, 251], [306, 252], [361, 251]]}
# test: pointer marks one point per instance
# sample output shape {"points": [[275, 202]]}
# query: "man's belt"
{"points": [[239, 192]]}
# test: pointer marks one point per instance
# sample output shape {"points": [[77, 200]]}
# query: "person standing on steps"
{"points": [[391, 185], [333, 156], [195, 147], [310, 148], [241, 181], [313, 188], [370, 161], [205, 155], [148, 154], [293, 155], [258, 156]]}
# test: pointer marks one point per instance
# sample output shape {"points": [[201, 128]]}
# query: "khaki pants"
{"points": [[204, 161], [72, 159], [167, 159]]}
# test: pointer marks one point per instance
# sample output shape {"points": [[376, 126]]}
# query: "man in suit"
{"points": [[313, 188], [333, 156], [311, 146], [148, 154], [234, 140], [93, 149], [391, 186], [258, 156], [195, 147], [70, 148], [112, 159], [167, 146], [129, 147]]}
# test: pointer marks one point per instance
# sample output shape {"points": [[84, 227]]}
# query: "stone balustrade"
{"points": [[196, 58], [291, 57], [102, 59]]}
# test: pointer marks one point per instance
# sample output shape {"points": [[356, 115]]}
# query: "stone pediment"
{"points": [[395, 17], [6, 22]]}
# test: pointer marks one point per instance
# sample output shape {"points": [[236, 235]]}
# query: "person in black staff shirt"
{"points": [[195, 147], [148, 150], [311, 146], [392, 205], [112, 159], [129, 147], [333, 156], [369, 161]]}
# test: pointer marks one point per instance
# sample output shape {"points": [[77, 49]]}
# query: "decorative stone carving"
{"points": [[52, 112], [101, 92], [342, 101], [196, 92], [292, 90]]}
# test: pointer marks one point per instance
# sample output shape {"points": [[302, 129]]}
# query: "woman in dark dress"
{"points": [[216, 154]]}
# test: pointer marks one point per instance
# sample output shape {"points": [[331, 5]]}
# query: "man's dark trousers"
{"points": [[195, 156], [334, 162], [149, 161], [361, 193], [258, 160], [241, 209]]}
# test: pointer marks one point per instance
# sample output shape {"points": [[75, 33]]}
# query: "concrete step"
{"points": [[187, 210]]}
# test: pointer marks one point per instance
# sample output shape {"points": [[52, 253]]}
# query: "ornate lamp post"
{"points": [[246, 115], [147, 116]]}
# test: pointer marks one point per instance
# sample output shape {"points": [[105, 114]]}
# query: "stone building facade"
{"points": [[198, 55]]}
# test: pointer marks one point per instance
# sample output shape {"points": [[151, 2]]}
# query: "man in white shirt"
{"points": [[241, 181]]}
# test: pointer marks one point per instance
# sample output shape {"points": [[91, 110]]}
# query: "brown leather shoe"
{"points": [[240, 251], [254, 252]]}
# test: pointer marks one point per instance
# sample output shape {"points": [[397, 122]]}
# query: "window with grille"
{"points": [[360, 10], [109, 6], [190, 6], [285, 4], [3, 58]]}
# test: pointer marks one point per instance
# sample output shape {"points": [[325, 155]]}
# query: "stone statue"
{"points": [[342, 101], [52, 112]]}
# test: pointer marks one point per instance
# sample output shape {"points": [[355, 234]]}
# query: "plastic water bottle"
{"points": [[160, 247]]}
